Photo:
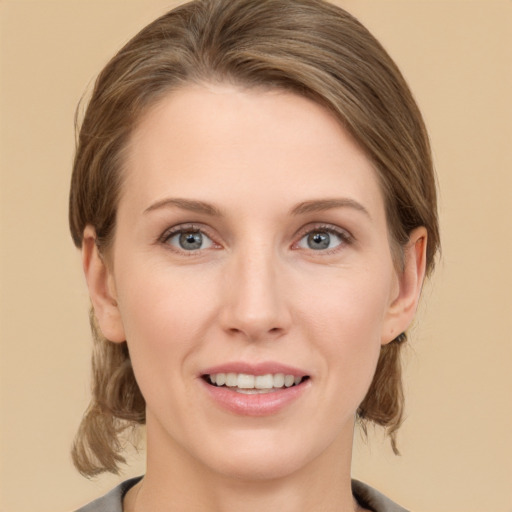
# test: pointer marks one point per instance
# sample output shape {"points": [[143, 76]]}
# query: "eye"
{"points": [[323, 239], [189, 240]]}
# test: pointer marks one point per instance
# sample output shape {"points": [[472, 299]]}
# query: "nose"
{"points": [[255, 299]]}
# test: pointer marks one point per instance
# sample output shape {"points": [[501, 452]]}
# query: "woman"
{"points": [[254, 198]]}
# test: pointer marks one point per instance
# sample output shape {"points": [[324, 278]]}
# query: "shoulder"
{"points": [[111, 502], [373, 499]]}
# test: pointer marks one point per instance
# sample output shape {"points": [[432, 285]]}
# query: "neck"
{"points": [[175, 481]]}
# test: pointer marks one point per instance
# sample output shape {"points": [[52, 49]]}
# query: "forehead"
{"points": [[203, 139]]}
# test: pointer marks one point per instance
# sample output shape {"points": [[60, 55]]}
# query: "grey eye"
{"points": [[317, 241], [190, 240], [320, 240]]}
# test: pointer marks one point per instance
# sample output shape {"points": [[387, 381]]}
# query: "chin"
{"points": [[266, 457], [259, 466]]}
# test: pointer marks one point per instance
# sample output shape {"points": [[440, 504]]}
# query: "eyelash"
{"points": [[185, 228], [345, 237]]}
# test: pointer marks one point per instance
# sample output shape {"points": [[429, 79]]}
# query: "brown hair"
{"points": [[309, 47]]}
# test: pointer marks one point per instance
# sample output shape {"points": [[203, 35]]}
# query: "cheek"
{"points": [[165, 315], [345, 319], [350, 304]]}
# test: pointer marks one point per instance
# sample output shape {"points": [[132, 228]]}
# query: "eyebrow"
{"points": [[321, 205], [318, 205], [185, 204]]}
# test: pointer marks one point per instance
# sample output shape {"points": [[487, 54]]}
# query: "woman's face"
{"points": [[251, 253]]}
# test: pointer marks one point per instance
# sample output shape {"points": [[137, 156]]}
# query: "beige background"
{"points": [[457, 440]]}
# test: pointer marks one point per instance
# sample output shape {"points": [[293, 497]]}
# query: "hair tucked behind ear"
{"points": [[116, 405], [308, 47]]}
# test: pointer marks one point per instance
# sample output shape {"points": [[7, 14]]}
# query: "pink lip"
{"points": [[263, 404], [255, 369]]}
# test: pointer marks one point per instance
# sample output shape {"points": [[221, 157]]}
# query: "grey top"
{"points": [[366, 496]]}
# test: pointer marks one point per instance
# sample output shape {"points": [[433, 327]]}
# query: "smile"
{"points": [[255, 389], [253, 384]]}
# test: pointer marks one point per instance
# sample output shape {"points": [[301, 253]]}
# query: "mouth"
{"points": [[249, 384]]}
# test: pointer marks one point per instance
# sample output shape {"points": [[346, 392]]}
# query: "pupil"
{"points": [[190, 241], [319, 241]]}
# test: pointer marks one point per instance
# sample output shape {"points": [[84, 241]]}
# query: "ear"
{"points": [[410, 280], [102, 291]]}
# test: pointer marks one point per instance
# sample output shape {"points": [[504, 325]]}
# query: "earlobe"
{"points": [[101, 287], [410, 281]]}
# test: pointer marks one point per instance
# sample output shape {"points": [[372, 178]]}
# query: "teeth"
{"points": [[245, 381], [231, 379], [289, 380], [279, 380], [263, 382], [250, 383]]}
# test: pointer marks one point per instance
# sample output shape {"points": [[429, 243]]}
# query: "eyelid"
{"points": [[184, 228], [346, 237]]}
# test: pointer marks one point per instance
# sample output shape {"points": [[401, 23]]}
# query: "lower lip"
{"points": [[259, 404]]}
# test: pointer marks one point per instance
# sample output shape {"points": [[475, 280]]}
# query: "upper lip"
{"points": [[262, 368]]}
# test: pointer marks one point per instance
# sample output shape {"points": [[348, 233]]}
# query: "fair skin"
{"points": [[251, 239]]}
